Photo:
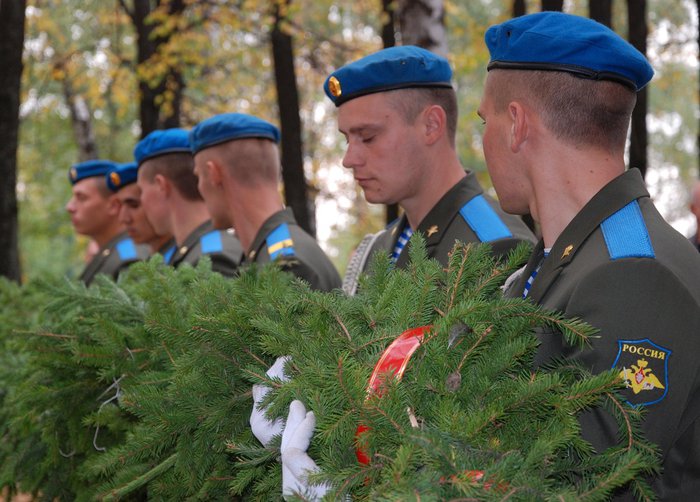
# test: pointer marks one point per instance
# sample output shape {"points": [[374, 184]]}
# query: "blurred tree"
{"points": [[295, 191], [11, 44], [519, 8], [601, 11], [552, 5], [155, 22], [637, 25]]}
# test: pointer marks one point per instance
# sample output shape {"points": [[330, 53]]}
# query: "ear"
{"points": [[163, 184], [214, 172], [435, 123], [114, 205], [519, 126]]}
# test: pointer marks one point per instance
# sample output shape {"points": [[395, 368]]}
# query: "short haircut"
{"points": [[251, 161], [178, 168], [579, 111], [410, 102], [102, 187]]}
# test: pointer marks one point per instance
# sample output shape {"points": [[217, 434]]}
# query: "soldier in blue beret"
{"points": [[94, 212], [398, 112], [122, 181], [173, 204], [556, 109], [238, 166]]}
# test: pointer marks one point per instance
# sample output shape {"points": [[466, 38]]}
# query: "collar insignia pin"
{"points": [[567, 251], [433, 230]]}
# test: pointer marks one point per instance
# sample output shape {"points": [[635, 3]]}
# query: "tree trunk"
{"points": [[11, 45], [422, 23], [81, 119], [389, 40], [601, 11], [520, 9], [290, 123], [151, 112], [636, 20], [552, 5]]}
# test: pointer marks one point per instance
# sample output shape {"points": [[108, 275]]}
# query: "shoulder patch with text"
{"points": [[643, 366]]}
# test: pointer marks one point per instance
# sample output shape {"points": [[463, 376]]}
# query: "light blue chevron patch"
{"points": [[127, 250], [626, 234], [211, 242], [280, 243], [483, 220]]}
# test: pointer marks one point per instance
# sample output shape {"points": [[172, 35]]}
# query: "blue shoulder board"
{"points": [[211, 242], [168, 255], [483, 220], [279, 242], [127, 250], [626, 234]]}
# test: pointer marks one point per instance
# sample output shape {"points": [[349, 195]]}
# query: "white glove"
{"points": [[296, 463], [264, 429]]}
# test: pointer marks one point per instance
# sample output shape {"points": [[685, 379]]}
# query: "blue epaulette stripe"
{"points": [[127, 250], [280, 243], [626, 234], [168, 255], [211, 242], [483, 220]]}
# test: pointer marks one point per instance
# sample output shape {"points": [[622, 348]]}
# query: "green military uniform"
{"points": [[114, 257], [620, 267], [281, 240], [222, 247], [463, 214]]}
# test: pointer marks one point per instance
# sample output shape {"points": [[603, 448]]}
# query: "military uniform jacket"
{"points": [[281, 240], [113, 257], [463, 214], [620, 267], [222, 247]]}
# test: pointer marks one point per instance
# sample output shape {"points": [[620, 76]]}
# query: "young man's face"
{"points": [[154, 202], [384, 152], [132, 215], [89, 208]]}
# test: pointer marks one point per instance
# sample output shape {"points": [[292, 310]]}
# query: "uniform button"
{"points": [[106, 252], [182, 250], [251, 255]]}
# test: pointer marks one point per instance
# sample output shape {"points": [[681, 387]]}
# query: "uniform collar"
{"points": [[611, 198], [282, 216], [439, 218], [191, 241]]}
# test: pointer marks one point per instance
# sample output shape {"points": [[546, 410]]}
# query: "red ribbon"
{"points": [[393, 362]]}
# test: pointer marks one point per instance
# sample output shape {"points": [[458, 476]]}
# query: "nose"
{"points": [[70, 205], [352, 157]]}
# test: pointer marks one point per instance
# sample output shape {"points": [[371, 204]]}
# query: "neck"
{"points": [[446, 172], [185, 217], [250, 208], [107, 234], [157, 243], [564, 182]]}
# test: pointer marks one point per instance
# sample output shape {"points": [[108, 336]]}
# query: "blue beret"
{"points": [[563, 42], [122, 175], [161, 142], [230, 126], [388, 69], [90, 168]]}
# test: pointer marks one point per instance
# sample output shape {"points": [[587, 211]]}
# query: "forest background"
{"points": [[97, 75]]}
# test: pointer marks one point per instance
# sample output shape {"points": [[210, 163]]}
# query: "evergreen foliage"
{"points": [[469, 420], [142, 389]]}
